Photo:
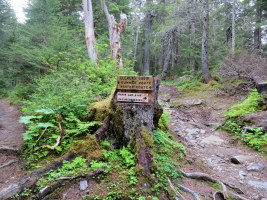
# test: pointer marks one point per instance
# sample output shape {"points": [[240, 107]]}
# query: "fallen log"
{"points": [[30, 180], [51, 188]]}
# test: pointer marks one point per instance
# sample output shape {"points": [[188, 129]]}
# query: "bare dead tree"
{"points": [[89, 30], [115, 31]]}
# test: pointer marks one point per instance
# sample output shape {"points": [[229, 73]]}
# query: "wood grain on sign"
{"points": [[135, 83], [132, 97]]}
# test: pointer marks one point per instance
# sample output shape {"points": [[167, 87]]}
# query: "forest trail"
{"points": [[11, 164], [194, 119]]}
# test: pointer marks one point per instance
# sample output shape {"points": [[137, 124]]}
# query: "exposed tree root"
{"points": [[177, 193], [100, 133], [8, 163], [30, 180], [185, 189], [226, 193], [9, 150], [58, 183]]}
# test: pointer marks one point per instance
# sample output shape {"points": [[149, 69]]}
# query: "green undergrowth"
{"points": [[255, 138], [55, 106], [250, 105]]}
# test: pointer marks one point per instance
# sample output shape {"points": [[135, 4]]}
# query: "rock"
{"points": [[83, 185], [257, 184], [258, 119], [256, 167], [213, 140], [192, 102], [240, 159]]}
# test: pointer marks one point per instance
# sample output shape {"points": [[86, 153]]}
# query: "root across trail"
{"points": [[195, 118]]}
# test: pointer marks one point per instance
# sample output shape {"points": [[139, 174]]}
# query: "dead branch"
{"points": [[8, 163], [185, 189], [177, 193], [205, 177], [58, 140], [53, 147], [30, 180], [38, 139], [58, 183]]}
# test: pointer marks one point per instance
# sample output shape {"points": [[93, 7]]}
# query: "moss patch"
{"points": [[99, 110], [88, 148]]}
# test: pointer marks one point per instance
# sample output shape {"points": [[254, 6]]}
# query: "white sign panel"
{"points": [[132, 97]]}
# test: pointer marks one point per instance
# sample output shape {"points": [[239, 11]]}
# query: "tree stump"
{"points": [[131, 124]]}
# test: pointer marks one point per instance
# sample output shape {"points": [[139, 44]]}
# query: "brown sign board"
{"points": [[132, 97], [135, 83]]}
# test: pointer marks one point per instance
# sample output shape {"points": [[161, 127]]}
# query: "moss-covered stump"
{"points": [[131, 124]]}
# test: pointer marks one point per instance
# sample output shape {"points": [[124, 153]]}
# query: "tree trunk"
{"points": [[115, 32], [192, 27], [89, 30], [257, 30], [147, 51], [233, 27], [204, 49], [130, 124], [167, 59]]}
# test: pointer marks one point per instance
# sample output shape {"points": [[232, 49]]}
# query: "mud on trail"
{"points": [[11, 164], [194, 122]]}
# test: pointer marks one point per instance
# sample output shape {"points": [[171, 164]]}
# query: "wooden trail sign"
{"points": [[135, 89], [135, 83]]}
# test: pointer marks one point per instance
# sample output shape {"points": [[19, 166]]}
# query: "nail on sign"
{"points": [[135, 83], [132, 97]]}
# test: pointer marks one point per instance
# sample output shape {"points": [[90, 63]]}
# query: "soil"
{"points": [[209, 149], [11, 136]]}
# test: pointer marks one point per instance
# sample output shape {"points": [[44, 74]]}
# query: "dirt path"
{"points": [[210, 150], [10, 137]]}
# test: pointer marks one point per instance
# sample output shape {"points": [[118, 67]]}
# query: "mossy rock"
{"points": [[88, 148]]}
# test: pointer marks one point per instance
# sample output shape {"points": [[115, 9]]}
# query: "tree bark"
{"points": [[204, 49], [147, 51], [233, 27], [89, 30], [115, 32], [167, 58], [257, 30]]}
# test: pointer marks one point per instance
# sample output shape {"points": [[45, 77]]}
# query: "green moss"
{"points": [[100, 110], [164, 121], [217, 186], [88, 148], [147, 137], [250, 105]]}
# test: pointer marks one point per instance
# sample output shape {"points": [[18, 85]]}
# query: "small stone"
{"points": [[241, 159], [242, 174], [83, 185], [256, 167]]}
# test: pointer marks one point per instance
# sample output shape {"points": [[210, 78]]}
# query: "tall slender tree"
{"points": [[205, 36]]}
